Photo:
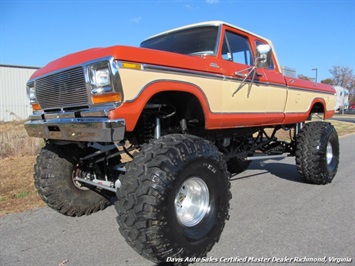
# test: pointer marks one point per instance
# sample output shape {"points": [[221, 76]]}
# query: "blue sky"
{"points": [[306, 33]]}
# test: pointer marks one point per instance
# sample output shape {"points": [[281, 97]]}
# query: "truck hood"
{"points": [[125, 53]]}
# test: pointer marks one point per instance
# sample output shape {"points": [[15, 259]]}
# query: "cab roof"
{"points": [[219, 23], [216, 23]]}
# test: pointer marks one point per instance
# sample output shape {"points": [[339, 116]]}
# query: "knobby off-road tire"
{"points": [[174, 198], [317, 152], [55, 168]]}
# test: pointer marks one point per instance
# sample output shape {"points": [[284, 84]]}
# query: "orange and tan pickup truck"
{"points": [[163, 126]]}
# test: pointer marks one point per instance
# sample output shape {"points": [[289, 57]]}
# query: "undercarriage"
{"points": [[104, 165]]}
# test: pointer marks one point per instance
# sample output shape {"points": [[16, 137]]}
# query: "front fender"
{"points": [[131, 110]]}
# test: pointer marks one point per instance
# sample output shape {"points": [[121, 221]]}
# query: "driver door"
{"points": [[243, 99]]}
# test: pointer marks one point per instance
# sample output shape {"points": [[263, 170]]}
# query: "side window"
{"points": [[236, 49], [271, 66]]}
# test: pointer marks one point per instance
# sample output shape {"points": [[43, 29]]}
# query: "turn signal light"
{"points": [[131, 65], [105, 98], [36, 107]]}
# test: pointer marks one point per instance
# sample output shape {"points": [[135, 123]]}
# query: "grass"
{"points": [[17, 189], [14, 140], [22, 194], [18, 155]]}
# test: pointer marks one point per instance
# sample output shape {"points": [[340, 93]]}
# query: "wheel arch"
{"points": [[160, 90], [186, 103], [318, 106]]}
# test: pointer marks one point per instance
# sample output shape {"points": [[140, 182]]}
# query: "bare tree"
{"points": [[343, 76]]}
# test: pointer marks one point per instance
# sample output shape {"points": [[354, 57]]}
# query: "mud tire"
{"points": [[53, 179], [146, 206], [317, 152]]}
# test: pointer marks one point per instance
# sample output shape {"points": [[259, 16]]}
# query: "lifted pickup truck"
{"points": [[164, 125]]}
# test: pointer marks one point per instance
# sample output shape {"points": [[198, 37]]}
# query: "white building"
{"points": [[14, 104], [288, 71]]}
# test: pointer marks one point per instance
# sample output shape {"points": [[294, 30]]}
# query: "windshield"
{"points": [[201, 40]]}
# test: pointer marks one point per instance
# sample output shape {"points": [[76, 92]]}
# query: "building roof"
{"points": [[18, 66]]}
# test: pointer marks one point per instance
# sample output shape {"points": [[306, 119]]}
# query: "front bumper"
{"points": [[77, 129]]}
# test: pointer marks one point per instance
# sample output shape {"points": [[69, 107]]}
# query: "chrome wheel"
{"points": [[329, 153], [192, 202]]}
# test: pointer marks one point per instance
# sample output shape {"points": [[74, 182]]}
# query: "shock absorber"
{"points": [[157, 130]]}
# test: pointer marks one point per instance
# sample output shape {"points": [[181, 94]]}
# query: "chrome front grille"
{"points": [[64, 89]]}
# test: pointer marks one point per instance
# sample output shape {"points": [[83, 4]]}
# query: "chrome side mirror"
{"points": [[263, 56]]}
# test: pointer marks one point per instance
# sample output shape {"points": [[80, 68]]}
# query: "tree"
{"points": [[301, 76], [343, 76], [328, 81]]}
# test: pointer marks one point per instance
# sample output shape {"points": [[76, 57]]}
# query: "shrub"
{"points": [[14, 140]]}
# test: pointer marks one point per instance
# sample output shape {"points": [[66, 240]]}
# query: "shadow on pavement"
{"points": [[282, 170]]}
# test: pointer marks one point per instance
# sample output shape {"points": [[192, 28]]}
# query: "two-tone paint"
{"points": [[269, 99]]}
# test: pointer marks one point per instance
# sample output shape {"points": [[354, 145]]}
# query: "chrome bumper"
{"points": [[77, 129]]}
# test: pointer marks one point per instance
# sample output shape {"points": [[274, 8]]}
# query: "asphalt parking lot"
{"points": [[348, 116], [274, 218]]}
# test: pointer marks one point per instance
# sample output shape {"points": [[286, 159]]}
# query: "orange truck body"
{"points": [[271, 99]]}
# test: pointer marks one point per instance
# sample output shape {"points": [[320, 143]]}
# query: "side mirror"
{"points": [[263, 56]]}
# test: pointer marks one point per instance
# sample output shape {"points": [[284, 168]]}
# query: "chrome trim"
{"points": [[35, 117], [310, 90], [116, 79], [96, 113], [59, 115], [77, 129], [97, 91], [202, 74], [64, 89], [174, 70], [114, 70]]}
